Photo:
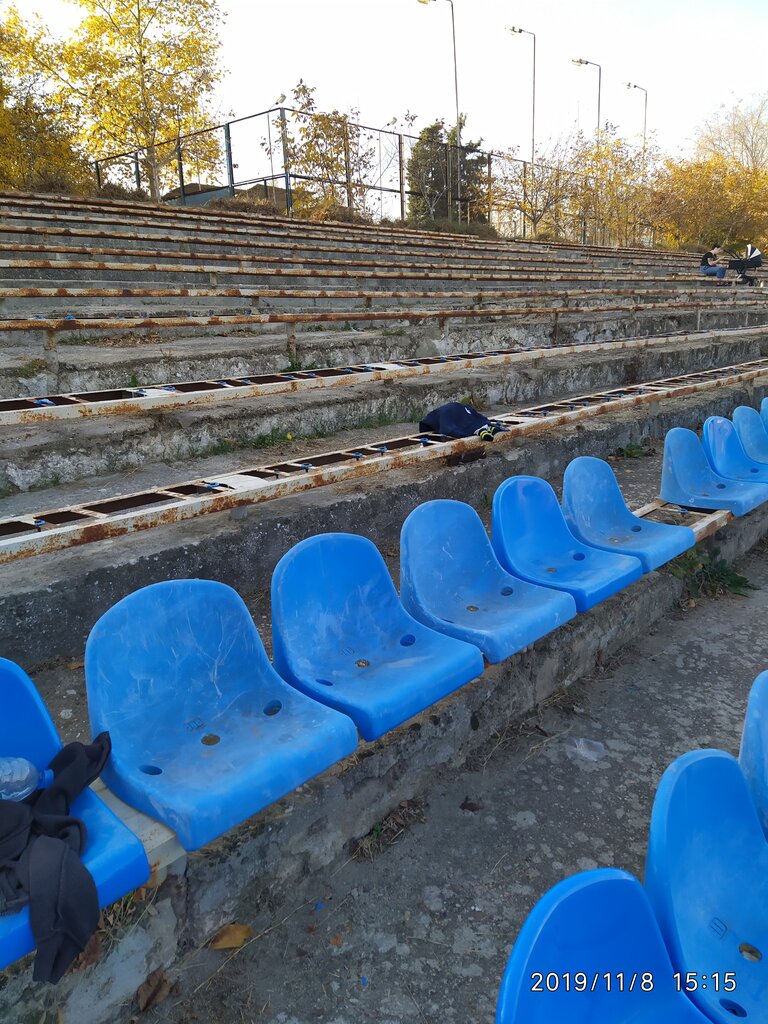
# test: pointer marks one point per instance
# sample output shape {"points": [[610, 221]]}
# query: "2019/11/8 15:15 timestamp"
{"points": [[626, 981]]}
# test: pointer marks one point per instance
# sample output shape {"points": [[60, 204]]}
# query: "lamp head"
{"points": [[391, 121], [280, 99], [425, 1], [578, 60], [514, 30]]}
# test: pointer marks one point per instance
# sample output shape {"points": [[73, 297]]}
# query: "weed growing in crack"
{"points": [[706, 574]]}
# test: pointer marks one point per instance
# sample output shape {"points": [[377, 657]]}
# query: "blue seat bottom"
{"points": [[379, 695], [589, 579], [263, 753], [503, 620]]}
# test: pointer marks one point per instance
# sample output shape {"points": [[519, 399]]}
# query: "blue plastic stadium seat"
{"points": [[687, 478], [113, 854], [204, 732], [597, 514], [753, 756], [726, 454], [532, 540], [341, 635], [752, 432], [581, 938], [451, 580], [707, 880]]}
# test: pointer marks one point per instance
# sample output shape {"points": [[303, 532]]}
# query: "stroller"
{"points": [[751, 260]]}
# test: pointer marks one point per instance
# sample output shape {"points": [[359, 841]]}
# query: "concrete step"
{"points": [[32, 456]]}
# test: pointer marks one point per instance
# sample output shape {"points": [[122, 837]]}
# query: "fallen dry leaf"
{"points": [[337, 940], [470, 805], [231, 936], [155, 989]]}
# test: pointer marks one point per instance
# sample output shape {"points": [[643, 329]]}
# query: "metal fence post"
{"points": [[181, 173], [136, 171], [401, 159], [348, 169], [286, 166], [97, 169], [228, 157], [490, 188], [448, 178]]}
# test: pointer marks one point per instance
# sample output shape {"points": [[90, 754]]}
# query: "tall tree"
{"points": [[329, 155], [140, 73], [435, 171], [739, 135], [703, 202]]}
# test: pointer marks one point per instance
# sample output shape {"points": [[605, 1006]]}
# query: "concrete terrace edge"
{"points": [[312, 828]]}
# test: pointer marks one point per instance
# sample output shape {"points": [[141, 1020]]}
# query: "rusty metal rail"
{"points": [[156, 398], [45, 532], [703, 524], [332, 268], [53, 325]]}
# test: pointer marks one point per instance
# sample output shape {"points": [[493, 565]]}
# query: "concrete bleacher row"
{"points": [[462, 601]]}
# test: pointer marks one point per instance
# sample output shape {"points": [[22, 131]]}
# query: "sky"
{"points": [[386, 57]]}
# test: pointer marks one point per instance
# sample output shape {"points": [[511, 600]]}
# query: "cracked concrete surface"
{"points": [[422, 932]]}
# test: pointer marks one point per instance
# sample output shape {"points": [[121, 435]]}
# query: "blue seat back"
{"points": [[170, 653], [685, 463], [592, 497], [526, 509], [753, 756], [328, 590], [752, 432], [707, 877], [725, 452], [26, 727], [595, 923], [764, 412], [444, 548]]}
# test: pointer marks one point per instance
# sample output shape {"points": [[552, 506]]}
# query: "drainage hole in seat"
{"points": [[750, 952], [210, 739], [472, 608], [579, 556], [721, 487], [506, 591], [324, 682], [273, 707], [636, 529], [754, 470], [408, 640], [151, 769], [734, 1008], [362, 663]]}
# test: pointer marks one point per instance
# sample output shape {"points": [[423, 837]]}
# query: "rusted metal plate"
{"points": [[25, 536], [121, 401]]}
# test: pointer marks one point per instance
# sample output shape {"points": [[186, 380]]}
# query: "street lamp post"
{"points": [[533, 103], [580, 60], [631, 85], [458, 116]]}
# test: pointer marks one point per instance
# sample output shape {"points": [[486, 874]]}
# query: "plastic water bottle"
{"points": [[19, 777]]}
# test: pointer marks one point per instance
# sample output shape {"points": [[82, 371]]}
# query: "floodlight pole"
{"points": [[458, 116], [533, 91], [580, 60]]}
